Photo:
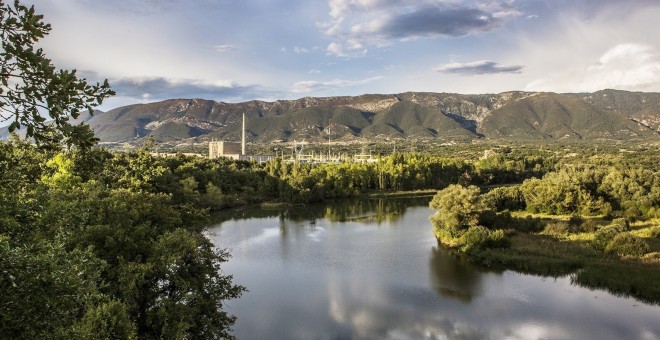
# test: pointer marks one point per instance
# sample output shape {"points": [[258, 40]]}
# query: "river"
{"points": [[372, 269]]}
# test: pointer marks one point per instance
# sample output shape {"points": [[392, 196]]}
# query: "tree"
{"points": [[44, 289], [32, 87], [458, 208]]}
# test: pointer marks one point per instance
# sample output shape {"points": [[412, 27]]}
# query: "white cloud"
{"points": [[313, 85], [343, 51], [300, 50], [613, 49], [225, 48], [624, 67], [477, 67]]}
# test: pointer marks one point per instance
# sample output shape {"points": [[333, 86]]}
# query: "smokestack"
{"points": [[243, 137]]}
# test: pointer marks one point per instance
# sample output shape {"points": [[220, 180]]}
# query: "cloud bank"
{"points": [[356, 24], [158, 88]]}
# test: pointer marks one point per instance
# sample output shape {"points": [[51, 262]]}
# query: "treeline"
{"points": [[221, 183], [622, 190], [297, 182]]}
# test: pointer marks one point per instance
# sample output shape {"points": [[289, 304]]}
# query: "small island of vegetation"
{"points": [[596, 219]]}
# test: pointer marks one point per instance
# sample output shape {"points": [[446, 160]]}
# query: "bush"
{"points": [[557, 228], [479, 237], [504, 220], [457, 208], [505, 198], [605, 235], [589, 226], [575, 221], [627, 244], [528, 224], [621, 222], [653, 213]]}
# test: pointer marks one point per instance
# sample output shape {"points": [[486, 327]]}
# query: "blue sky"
{"points": [[230, 50]]}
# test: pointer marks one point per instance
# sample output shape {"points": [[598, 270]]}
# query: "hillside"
{"points": [[607, 114]]}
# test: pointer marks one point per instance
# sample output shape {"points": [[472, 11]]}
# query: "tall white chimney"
{"points": [[243, 137]]}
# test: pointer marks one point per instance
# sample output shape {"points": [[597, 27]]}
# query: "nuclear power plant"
{"points": [[231, 150], [237, 151]]}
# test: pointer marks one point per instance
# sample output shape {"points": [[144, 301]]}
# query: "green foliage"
{"points": [[457, 209], [480, 238], [44, 288], [605, 235], [621, 223], [111, 258], [31, 84], [107, 321], [636, 191], [557, 228], [575, 224], [570, 190], [627, 244], [505, 198]]}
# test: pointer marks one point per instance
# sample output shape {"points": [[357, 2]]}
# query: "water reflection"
{"points": [[453, 276], [370, 211], [374, 210], [312, 276]]}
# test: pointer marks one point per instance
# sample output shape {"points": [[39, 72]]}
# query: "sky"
{"points": [[241, 50]]}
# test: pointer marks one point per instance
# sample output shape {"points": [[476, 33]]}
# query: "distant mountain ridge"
{"points": [[607, 114]]}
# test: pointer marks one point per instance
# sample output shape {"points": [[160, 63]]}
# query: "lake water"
{"points": [[371, 269]]}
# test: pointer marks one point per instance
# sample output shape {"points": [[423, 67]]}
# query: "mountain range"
{"points": [[607, 114]]}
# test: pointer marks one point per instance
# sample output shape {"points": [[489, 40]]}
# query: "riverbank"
{"points": [[400, 194], [558, 253]]}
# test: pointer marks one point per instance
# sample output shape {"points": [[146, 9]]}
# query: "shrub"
{"points": [[622, 222], [505, 198], [504, 220], [457, 208], [527, 224], [575, 221], [589, 226], [653, 212], [605, 235], [479, 237], [557, 228], [627, 244]]}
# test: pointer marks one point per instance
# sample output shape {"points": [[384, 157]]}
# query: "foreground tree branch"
{"points": [[33, 90]]}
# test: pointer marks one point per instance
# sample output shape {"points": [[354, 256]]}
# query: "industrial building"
{"points": [[225, 149]]}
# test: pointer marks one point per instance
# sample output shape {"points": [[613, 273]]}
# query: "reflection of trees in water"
{"points": [[453, 276], [376, 210]]}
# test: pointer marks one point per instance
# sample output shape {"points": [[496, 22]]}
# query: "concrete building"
{"points": [[225, 149]]}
